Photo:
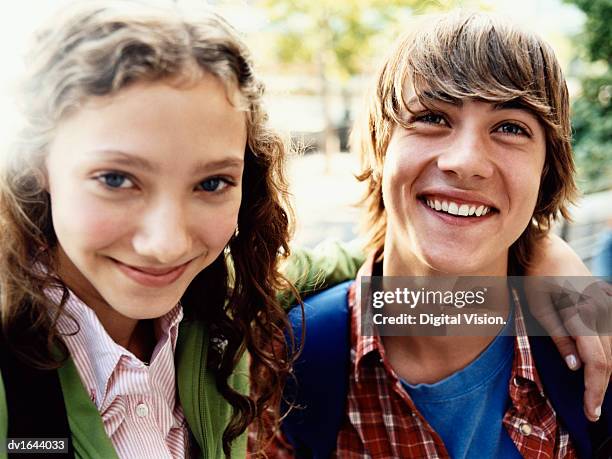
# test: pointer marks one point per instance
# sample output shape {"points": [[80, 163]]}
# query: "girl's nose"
{"points": [[164, 234]]}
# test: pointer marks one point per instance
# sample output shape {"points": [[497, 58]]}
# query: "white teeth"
{"points": [[453, 208]]}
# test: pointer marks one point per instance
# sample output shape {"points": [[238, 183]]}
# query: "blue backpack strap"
{"points": [[565, 388], [561, 385], [322, 383], [320, 386]]}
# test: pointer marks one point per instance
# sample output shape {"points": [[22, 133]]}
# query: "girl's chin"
{"points": [[145, 311]]}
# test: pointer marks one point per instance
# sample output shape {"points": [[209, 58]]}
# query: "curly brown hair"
{"points": [[96, 50], [470, 55]]}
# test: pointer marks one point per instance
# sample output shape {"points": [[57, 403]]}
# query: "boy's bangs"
{"points": [[475, 59], [476, 56]]}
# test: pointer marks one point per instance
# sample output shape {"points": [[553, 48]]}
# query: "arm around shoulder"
{"points": [[328, 264], [554, 257]]}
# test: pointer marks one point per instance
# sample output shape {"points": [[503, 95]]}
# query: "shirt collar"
{"points": [[83, 331], [523, 365], [363, 345]]}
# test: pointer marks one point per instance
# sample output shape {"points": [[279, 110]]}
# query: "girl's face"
{"points": [[145, 189], [461, 186]]}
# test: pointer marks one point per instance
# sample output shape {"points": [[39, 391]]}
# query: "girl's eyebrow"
{"points": [[138, 162], [127, 159], [221, 164]]}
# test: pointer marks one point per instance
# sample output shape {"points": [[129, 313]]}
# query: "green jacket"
{"points": [[205, 409]]}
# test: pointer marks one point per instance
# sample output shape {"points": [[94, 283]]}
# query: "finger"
{"points": [[539, 296], [596, 373], [539, 299], [580, 320], [567, 349]]}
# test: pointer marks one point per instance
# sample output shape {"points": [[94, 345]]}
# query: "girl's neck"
{"points": [[137, 336], [143, 340]]}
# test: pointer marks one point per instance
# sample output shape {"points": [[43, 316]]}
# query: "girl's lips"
{"points": [[151, 277]]}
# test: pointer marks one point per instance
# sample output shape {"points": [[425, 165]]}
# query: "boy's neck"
{"points": [[429, 359], [407, 264]]}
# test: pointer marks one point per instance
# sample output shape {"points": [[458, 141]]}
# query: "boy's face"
{"points": [[460, 187]]}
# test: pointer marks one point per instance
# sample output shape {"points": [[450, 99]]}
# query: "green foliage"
{"points": [[336, 35], [337, 39], [592, 123], [592, 111], [597, 30]]}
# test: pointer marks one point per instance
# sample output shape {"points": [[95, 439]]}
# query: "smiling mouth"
{"points": [[457, 209], [152, 276]]}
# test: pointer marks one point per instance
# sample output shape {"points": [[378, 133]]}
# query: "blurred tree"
{"points": [[592, 110], [337, 39]]}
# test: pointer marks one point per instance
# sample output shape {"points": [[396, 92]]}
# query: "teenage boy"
{"points": [[467, 159]]}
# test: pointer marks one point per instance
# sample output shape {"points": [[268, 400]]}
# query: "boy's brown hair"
{"points": [[478, 56]]}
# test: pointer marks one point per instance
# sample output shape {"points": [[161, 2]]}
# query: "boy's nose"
{"points": [[467, 157]]}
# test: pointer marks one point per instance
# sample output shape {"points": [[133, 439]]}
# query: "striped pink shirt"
{"points": [[137, 402]]}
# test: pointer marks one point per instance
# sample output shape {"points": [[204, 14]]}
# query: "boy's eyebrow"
{"points": [[139, 162], [414, 100], [413, 103], [512, 104]]}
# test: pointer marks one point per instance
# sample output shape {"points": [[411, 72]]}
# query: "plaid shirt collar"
{"points": [[523, 366], [382, 420]]}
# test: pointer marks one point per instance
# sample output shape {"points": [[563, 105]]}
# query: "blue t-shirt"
{"points": [[466, 409]]}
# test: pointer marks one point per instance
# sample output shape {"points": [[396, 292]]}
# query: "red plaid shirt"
{"points": [[382, 421]]}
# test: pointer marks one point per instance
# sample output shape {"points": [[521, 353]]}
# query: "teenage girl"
{"points": [[145, 165]]}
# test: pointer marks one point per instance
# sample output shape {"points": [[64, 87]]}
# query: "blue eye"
{"points": [[114, 180], [214, 184]]}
